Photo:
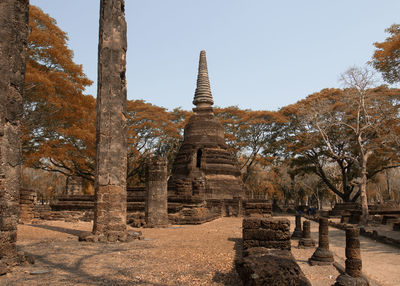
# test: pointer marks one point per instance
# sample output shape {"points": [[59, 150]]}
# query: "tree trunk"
{"points": [[13, 43], [363, 189], [388, 185]]}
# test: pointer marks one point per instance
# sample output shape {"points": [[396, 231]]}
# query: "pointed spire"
{"points": [[203, 96]]}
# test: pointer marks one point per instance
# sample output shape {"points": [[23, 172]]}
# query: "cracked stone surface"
{"points": [[111, 146], [13, 42]]}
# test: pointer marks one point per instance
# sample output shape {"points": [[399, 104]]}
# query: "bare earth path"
{"points": [[179, 255], [380, 262]]}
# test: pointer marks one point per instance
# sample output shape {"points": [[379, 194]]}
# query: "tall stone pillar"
{"points": [[297, 233], [13, 43], [306, 241], [156, 197], [111, 147], [353, 274], [322, 255]]}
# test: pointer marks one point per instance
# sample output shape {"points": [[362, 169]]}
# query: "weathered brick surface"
{"points": [[263, 266], [322, 255], [156, 199], [27, 204], [297, 233], [257, 208], [353, 274], [306, 241], [204, 168], [266, 232], [13, 41], [111, 146], [267, 259]]}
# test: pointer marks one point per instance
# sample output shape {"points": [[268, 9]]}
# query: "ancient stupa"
{"points": [[204, 169]]}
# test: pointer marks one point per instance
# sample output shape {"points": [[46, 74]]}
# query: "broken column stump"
{"points": [[306, 241], [156, 210], [267, 259], [297, 233], [111, 147], [353, 274], [27, 204], [322, 255], [13, 43]]}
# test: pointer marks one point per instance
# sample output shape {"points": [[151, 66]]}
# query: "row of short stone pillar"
{"points": [[323, 256]]}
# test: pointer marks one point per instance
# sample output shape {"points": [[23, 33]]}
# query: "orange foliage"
{"points": [[152, 130], [386, 58], [59, 131]]}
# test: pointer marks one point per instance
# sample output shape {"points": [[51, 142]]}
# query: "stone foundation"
{"points": [[180, 211], [266, 232], [267, 259], [257, 208]]}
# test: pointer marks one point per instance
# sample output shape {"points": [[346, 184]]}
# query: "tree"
{"points": [[232, 119], [258, 130], [151, 130], [247, 133], [299, 139], [369, 124], [59, 132], [344, 128], [47, 185], [386, 58]]}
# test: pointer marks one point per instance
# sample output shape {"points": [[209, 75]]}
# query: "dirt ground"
{"points": [[178, 255]]}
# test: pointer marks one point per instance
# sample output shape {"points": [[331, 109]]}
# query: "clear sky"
{"points": [[261, 54]]}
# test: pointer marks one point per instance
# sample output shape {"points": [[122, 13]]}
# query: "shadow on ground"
{"points": [[59, 229], [80, 271], [231, 278]]}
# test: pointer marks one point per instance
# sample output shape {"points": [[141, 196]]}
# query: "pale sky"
{"points": [[261, 54]]}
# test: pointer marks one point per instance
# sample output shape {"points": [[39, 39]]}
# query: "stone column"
{"points": [[73, 186], [306, 241], [13, 43], [111, 147], [156, 197], [322, 255], [353, 274], [297, 233], [27, 204]]}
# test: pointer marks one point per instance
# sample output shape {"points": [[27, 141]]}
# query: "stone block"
{"points": [[261, 266], [251, 223]]}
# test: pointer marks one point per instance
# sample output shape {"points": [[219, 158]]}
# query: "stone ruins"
{"points": [[13, 42], [111, 147], [322, 255], [306, 241], [205, 183], [297, 233], [156, 189], [203, 169], [267, 257], [73, 186], [27, 205], [353, 273]]}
